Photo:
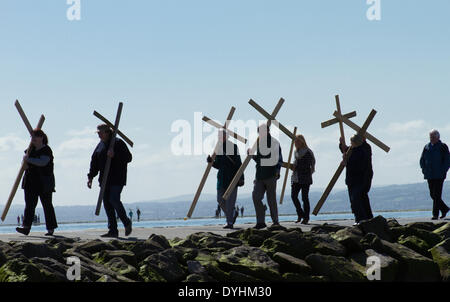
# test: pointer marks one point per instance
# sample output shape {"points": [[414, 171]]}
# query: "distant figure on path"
{"points": [[301, 179], [435, 162], [242, 211], [138, 212], [39, 182], [268, 160], [131, 215], [227, 162], [18, 220], [117, 178], [358, 177]]}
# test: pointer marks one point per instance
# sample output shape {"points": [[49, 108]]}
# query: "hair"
{"points": [[105, 128], [301, 138], [40, 133], [357, 139], [434, 132]]}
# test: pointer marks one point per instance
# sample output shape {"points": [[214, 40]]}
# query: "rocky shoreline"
{"points": [[418, 251]]}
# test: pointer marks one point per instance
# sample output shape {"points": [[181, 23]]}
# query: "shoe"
{"points": [[128, 229], [50, 233], [444, 214], [24, 231], [228, 226], [434, 218], [259, 226], [356, 224], [110, 235], [275, 224], [305, 221]]}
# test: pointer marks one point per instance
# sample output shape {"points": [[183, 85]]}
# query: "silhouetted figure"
{"points": [[301, 179], [435, 162], [130, 214], [138, 212], [242, 211], [18, 220]]}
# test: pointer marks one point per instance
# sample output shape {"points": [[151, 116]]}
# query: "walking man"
{"points": [[268, 160], [117, 178], [435, 161]]}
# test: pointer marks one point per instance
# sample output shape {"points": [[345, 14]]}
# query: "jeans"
{"points": [[261, 187], [227, 206], [31, 200], [295, 190], [435, 186], [112, 204], [358, 202]]}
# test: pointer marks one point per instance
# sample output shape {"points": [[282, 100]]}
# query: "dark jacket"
{"points": [[435, 161], [359, 166], [228, 163], [263, 170], [302, 169], [118, 171], [40, 178]]}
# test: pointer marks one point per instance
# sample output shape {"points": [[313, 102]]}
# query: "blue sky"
{"points": [[168, 59]]}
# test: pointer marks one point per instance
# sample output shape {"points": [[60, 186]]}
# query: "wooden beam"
{"points": [[108, 160], [341, 167], [208, 169], [271, 118], [245, 163], [288, 167], [23, 165], [231, 133], [335, 120], [367, 134], [104, 120], [341, 125]]}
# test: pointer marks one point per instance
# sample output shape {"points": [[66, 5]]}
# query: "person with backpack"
{"points": [[435, 162]]}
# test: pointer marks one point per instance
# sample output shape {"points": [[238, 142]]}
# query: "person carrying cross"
{"points": [[117, 178]]}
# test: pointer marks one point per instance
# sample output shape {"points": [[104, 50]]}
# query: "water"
{"points": [[68, 227]]}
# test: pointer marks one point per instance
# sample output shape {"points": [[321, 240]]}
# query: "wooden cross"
{"points": [[336, 120], [362, 132], [23, 166], [213, 157], [288, 166], [270, 118], [115, 128]]}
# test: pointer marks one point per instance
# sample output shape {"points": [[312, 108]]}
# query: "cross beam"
{"points": [[288, 166], [213, 157], [244, 165], [115, 129], [23, 165], [111, 125], [362, 132]]}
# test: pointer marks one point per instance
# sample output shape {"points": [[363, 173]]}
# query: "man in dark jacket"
{"points": [[268, 160], [358, 177], [117, 178], [435, 162], [227, 161]]}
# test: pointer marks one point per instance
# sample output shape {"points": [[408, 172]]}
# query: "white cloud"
{"points": [[12, 142], [409, 126]]}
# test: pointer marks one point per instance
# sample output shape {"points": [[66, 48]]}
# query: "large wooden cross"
{"points": [[23, 165], [288, 166], [270, 119], [362, 132], [213, 156], [115, 129]]}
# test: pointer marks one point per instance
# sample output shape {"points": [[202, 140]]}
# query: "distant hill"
{"points": [[387, 198]]}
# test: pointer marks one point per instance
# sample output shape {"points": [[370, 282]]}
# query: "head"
{"points": [[222, 135], [434, 136], [104, 132], [300, 142], [39, 138], [263, 130], [356, 140]]}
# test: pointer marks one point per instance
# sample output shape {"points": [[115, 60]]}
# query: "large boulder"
{"points": [[389, 266], [250, 261], [56, 270], [210, 263], [93, 246], [350, 238], [164, 264], [377, 225], [159, 241], [441, 255], [413, 266], [430, 238], [423, 225], [252, 236], [213, 241], [416, 244], [443, 231], [40, 250], [326, 228], [289, 263], [123, 268], [21, 270], [338, 269], [106, 255]]}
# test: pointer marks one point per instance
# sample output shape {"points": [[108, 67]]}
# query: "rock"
{"points": [[194, 267], [326, 228], [275, 228], [198, 278], [185, 254], [441, 256], [429, 237], [40, 250], [210, 263], [16, 270], [57, 270], [143, 249], [289, 263], [416, 244], [427, 226], [377, 225], [338, 269], [3, 258], [325, 244], [163, 264], [389, 266], [413, 266], [184, 243], [349, 237], [213, 241], [93, 246], [293, 277], [240, 277], [443, 231], [106, 278], [123, 268], [105, 256], [250, 261], [252, 236], [160, 241], [392, 222]]}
